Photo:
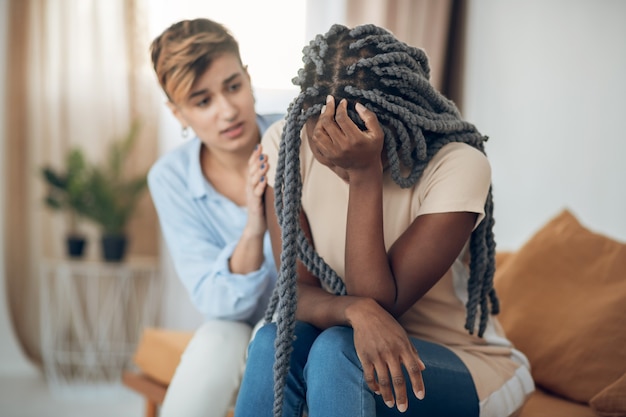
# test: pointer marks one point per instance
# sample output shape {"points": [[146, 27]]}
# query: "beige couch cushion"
{"points": [[159, 351], [611, 401], [563, 303]]}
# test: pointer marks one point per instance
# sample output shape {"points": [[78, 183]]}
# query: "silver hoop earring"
{"points": [[185, 132]]}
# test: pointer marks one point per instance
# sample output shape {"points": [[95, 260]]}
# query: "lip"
{"points": [[234, 130]]}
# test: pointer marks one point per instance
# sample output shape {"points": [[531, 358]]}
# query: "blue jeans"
{"points": [[326, 379]]}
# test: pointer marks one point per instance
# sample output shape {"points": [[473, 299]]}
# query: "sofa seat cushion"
{"points": [[563, 303], [158, 352], [542, 404]]}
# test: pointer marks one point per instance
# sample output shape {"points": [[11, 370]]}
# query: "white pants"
{"points": [[207, 378]]}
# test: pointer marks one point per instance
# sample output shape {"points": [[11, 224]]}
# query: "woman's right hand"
{"points": [[383, 347], [337, 142]]}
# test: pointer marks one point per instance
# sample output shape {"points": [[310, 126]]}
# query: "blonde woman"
{"points": [[208, 193]]}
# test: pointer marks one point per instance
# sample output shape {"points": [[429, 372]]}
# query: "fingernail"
{"points": [[359, 107], [402, 407], [420, 395], [377, 392], [329, 98], [262, 166], [389, 404], [261, 157], [323, 109], [262, 178], [256, 147]]}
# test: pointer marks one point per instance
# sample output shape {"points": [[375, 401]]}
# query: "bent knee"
{"points": [[263, 342], [223, 330], [334, 344]]}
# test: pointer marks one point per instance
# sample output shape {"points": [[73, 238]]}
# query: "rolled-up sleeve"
{"points": [[219, 293]]}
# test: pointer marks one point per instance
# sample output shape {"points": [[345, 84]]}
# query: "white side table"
{"points": [[92, 315]]}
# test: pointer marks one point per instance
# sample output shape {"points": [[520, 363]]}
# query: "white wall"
{"points": [[11, 358], [546, 81]]}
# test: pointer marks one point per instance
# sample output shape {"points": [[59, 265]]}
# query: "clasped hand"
{"points": [[255, 188], [338, 143]]}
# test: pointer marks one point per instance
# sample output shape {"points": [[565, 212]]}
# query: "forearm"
{"points": [[367, 266], [323, 309], [248, 253]]}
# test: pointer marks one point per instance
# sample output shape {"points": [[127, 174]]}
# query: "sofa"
{"points": [[563, 303]]}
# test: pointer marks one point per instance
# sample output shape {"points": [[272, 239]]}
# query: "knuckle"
{"points": [[414, 368], [398, 381], [384, 382]]}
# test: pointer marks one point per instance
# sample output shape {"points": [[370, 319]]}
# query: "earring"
{"points": [[185, 132]]}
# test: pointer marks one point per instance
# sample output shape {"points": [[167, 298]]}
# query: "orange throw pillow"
{"points": [[563, 303]]}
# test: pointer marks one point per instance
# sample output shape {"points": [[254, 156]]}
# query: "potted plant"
{"points": [[68, 191], [114, 196]]}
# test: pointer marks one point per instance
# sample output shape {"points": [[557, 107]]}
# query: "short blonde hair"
{"points": [[185, 50]]}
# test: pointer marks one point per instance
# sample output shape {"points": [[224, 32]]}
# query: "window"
{"points": [[271, 34]]}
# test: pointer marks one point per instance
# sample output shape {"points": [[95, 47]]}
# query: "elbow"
{"points": [[386, 297]]}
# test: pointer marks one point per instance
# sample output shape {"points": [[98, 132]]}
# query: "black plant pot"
{"points": [[76, 246], [114, 247]]}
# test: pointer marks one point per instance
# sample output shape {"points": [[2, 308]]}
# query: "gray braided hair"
{"points": [[367, 64]]}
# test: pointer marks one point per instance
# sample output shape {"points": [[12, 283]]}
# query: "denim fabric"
{"points": [[326, 379]]}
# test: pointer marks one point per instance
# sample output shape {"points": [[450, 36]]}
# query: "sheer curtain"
{"points": [[433, 25], [77, 75]]}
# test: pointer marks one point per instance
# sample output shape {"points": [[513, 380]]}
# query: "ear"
{"points": [[177, 113]]}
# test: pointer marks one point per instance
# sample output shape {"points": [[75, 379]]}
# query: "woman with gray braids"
{"points": [[380, 210]]}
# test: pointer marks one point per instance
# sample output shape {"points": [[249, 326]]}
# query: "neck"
{"points": [[214, 160]]}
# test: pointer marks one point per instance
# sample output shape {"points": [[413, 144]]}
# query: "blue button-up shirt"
{"points": [[201, 229]]}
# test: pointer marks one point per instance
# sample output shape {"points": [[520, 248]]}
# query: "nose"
{"points": [[227, 108]]}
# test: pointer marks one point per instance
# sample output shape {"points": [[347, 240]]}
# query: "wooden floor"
{"points": [[153, 392], [30, 396]]}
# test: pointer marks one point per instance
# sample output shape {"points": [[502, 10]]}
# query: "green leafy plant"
{"points": [[113, 196], [69, 191]]}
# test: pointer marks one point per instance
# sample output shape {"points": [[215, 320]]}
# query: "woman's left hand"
{"points": [[338, 143], [257, 182], [383, 348]]}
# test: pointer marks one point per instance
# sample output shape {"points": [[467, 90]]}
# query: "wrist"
{"points": [[254, 230], [367, 177], [360, 309]]}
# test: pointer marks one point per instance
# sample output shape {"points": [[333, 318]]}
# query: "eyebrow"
{"points": [[205, 91]]}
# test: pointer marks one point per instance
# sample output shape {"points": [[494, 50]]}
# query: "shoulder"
{"points": [[459, 158], [266, 120], [173, 166], [271, 147], [273, 133], [457, 178]]}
